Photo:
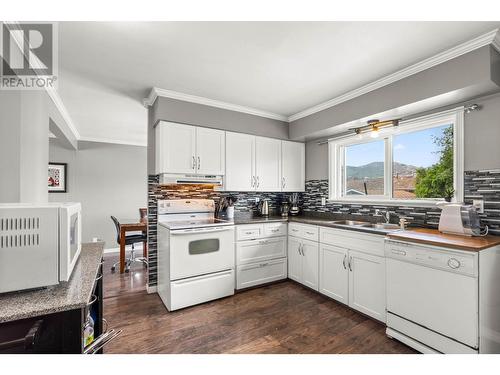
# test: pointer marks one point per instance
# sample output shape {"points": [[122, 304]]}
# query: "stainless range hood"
{"points": [[168, 179]]}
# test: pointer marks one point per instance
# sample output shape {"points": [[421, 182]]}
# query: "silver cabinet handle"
{"points": [[199, 162], [252, 183], [311, 233], [263, 264], [343, 261], [283, 182], [194, 162], [258, 181], [350, 264]]}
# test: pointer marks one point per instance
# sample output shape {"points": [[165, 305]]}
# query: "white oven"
{"points": [[195, 253], [201, 251]]}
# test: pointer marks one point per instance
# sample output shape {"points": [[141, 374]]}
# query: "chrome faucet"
{"points": [[386, 214]]}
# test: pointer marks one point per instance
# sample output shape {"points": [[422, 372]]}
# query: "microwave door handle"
{"points": [[189, 231]]}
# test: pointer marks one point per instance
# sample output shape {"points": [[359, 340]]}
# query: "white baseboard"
{"points": [[151, 289]]}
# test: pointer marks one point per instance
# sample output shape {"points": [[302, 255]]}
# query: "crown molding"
{"points": [[157, 92], [56, 99], [492, 37], [112, 141]]}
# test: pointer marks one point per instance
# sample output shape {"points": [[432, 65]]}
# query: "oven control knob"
{"points": [[453, 263]]}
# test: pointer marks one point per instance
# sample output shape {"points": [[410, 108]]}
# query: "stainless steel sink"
{"points": [[384, 226], [365, 224], [351, 223]]}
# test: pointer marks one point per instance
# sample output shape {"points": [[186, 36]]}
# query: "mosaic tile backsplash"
{"points": [[317, 189], [484, 184]]}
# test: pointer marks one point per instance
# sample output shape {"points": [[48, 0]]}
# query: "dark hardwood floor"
{"points": [[279, 318]]}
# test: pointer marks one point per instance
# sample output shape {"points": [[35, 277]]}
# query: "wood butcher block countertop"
{"points": [[436, 238]]}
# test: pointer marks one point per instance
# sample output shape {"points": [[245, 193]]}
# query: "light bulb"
{"points": [[374, 133]]}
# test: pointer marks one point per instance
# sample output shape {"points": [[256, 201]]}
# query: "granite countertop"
{"points": [[312, 220], [70, 295]]}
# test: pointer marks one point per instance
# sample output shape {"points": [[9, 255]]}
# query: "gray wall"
{"points": [[210, 117], [108, 179], [481, 135], [475, 73]]}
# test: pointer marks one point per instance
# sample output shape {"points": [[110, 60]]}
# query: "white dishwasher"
{"points": [[432, 297]]}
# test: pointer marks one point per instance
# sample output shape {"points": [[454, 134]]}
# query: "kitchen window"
{"points": [[420, 161]]}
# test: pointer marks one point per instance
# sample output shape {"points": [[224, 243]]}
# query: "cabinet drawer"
{"points": [[259, 273], [364, 242], [275, 229], [308, 232], [259, 250], [249, 232]]}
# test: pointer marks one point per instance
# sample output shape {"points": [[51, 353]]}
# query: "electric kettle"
{"points": [[264, 207]]}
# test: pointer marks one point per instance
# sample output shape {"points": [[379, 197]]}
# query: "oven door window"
{"points": [[208, 245]]}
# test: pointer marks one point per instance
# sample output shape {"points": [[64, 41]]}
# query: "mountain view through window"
{"points": [[422, 165]]}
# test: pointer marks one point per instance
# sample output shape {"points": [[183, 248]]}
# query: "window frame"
{"points": [[336, 157]]}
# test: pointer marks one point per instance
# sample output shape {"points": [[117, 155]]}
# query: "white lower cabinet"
{"points": [[367, 284], [354, 277], [260, 254], [333, 273], [303, 258]]}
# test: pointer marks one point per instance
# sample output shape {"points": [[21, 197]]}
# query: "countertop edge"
{"points": [[21, 299]]}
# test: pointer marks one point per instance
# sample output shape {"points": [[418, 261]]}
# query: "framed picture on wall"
{"points": [[57, 177]]}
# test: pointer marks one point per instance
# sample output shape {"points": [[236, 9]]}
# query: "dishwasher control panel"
{"points": [[440, 258]]}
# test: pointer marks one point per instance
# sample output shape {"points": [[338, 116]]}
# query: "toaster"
{"points": [[460, 219]]}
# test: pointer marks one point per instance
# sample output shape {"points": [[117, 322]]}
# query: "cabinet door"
{"points": [[367, 284], [267, 164], [240, 150], [333, 273], [210, 151], [175, 148], [293, 166], [294, 259], [310, 265]]}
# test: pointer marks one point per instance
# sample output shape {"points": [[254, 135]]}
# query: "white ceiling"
{"points": [[106, 69]]}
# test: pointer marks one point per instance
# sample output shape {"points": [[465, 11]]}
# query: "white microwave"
{"points": [[39, 244]]}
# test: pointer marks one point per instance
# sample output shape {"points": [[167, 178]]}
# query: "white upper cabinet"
{"points": [[189, 149], [175, 148], [240, 151], [267, 164], [293, 168], [210, 151], [248, 162]]}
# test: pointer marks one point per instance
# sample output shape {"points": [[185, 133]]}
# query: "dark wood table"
{"points": [[131, 225]]}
